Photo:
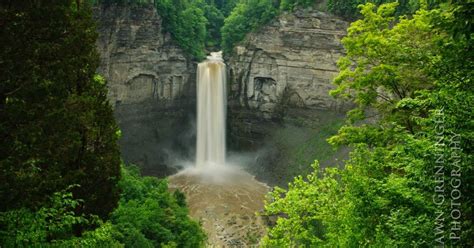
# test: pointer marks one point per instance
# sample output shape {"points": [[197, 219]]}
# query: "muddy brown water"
{"points": [[227, 207]]}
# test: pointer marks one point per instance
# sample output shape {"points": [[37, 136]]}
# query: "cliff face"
{"points": [[151, 85], [278, 99], [284, 67], [279, 102]]}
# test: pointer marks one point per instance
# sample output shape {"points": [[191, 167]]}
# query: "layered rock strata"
{"points": [[285, 66], [151, 85]]}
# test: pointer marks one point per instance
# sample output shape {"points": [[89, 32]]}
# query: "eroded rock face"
{"points": [[288, 64], [279, 102], [151, 85], [279, 77]]}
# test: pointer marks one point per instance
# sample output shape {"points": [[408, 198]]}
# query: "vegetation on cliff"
{"points": [[186, 22], [202, 25], [248, 16], [194, 24], [415, 76]]}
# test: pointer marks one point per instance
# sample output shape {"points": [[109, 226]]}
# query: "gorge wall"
{"points": [[151, 86], [280, 78], [279, 108], [286, 66]]}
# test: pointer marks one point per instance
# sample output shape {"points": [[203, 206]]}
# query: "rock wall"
{"points": [[279, 79], [280, 109], [285, 67], [151, 85]]}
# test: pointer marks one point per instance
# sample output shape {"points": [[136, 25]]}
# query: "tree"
{"points": [[215, 20], [349, 8], [247, 16], [150, 216], [406, 77], [56, 125], [186, 23]]}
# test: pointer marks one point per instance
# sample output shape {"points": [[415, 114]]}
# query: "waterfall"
{"points": [[211, 111]]}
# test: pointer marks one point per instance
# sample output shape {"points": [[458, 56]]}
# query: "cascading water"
{"points": [[211, 111], [219, 193]]}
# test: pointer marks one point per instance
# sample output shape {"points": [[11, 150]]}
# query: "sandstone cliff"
{"points": [[293, 59], [151, 84], [280, 78]]}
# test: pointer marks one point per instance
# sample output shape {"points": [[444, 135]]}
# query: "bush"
{"points": [[247, 16], [349, 8], [150, 216], [186, 23], [53, 225]]}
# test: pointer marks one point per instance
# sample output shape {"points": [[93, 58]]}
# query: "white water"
{"points": [[211, 112]]}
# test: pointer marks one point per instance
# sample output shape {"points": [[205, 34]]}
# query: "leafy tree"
{"points": [[137, 2], [215, 20], [401, 75], [224, 6], [349, 8], [150, 216], [53, 226], [186, 23], [56, 125], [247, 16], [228, 6]]}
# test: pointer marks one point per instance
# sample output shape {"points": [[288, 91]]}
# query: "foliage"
{"points": [[52, 226], [247, 16], [150, 216], [349, 8], [226, 6], [215, 20], [56, 125], [415, 76], [124, 2], [186, 23]]}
